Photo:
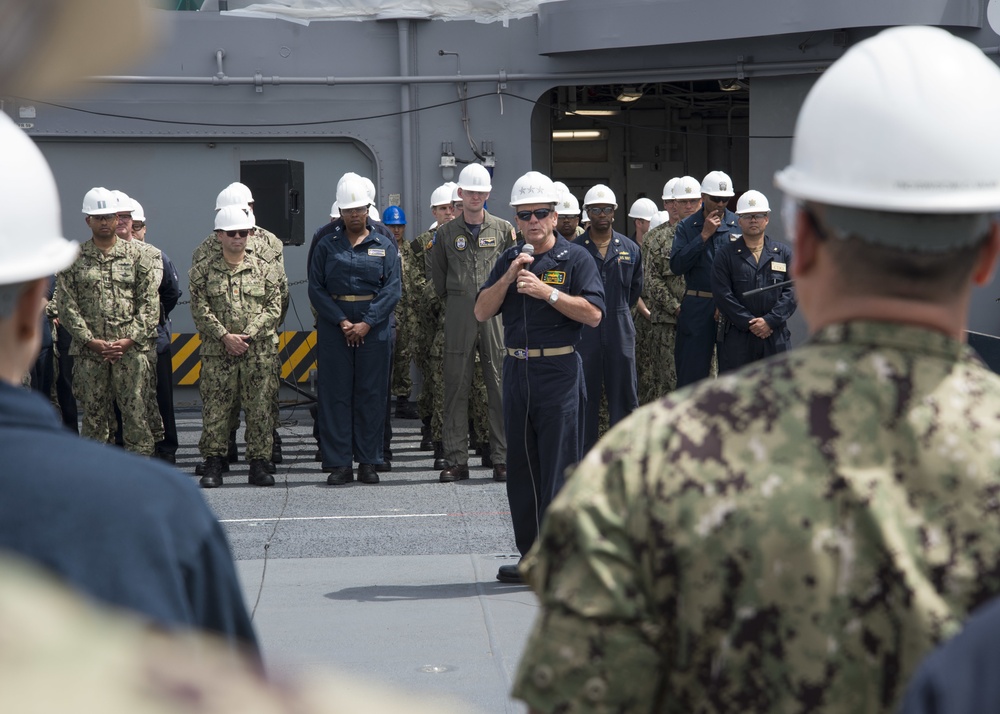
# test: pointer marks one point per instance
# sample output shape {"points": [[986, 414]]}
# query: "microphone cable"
{"points": [[528, 249]]}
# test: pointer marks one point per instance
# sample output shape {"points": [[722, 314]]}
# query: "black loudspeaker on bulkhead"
{"points": [[278, 188]]}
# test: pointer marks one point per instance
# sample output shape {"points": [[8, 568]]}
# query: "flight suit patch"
{"points": [[554, 277], [487, 241], [460, 243]]}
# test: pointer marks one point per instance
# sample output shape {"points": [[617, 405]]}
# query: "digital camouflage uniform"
{"points": [[429, 352], [269, 248], [662, 292], [154, 255], [402, 385], [109, 297], [791, 537], [245, 300]]}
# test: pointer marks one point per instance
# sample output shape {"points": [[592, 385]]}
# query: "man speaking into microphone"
{"points": [[545, 291]]}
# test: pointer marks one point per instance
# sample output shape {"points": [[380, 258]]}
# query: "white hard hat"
{"points": [[717, 183], [99, 201], [369, 188], [233, 218], [584, 218], [533, 187], [903, 122], [643, 208], [455, 198], [560, 188], [441, 196], [124, 201], [568, 205], [753, 202], [235, 194], [685, 188], [352, 193], [600, 194], [658, 219], [335, 210], [373, 214], [31, 242], [137, 213], [475, 177], [668, 188]]}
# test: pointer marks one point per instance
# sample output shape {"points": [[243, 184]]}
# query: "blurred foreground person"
{"points": [[129, 531]]}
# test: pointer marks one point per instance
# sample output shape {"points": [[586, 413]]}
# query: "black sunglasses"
{"points": [[538, 213], [243, 234]]}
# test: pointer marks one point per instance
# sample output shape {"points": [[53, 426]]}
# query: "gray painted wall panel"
{"points": [[587, 25]]}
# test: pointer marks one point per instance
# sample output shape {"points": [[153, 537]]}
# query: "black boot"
{"points": [[258, 473], [426, 444], [439, 462], [213, 472], [199, 469], [405, 410], [275, 447], [233, 455]]}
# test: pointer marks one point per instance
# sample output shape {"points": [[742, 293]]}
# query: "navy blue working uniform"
{"points": [[960, 676], [361, 284], [692, 257], [608, 350], [127, 531], [734, 272], [542, 394]]}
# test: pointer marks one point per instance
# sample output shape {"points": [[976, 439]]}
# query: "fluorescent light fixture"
{"points": [[629, 94], [578, 134], [607, 112]]}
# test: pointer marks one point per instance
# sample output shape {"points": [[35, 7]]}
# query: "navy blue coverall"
{"points": [[692, 257], [542, 395], [734, 272], [608, 350], [360, 284]]}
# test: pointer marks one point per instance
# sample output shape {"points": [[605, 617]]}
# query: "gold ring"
{"points": [[520, 285]]}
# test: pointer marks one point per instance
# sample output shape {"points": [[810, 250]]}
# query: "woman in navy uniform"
{"points": [[753, 326], [354, 285], [545, 301]]}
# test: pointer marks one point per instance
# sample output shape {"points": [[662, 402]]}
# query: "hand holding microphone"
{"points": [[526, 280]]}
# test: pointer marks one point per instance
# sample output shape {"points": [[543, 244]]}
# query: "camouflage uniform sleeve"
{"points": [[591, 649], [265, 320], [149, 273], [201, 309], [70, 316], [659, 290]]}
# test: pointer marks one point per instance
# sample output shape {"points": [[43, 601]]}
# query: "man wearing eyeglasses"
{"points": [[754, 326], [108, 303], [608, 351], [545, 301], [236, 304], [695, 243]]}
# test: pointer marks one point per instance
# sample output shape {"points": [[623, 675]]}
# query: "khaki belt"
{"points": [[354, 298], [544, 352], [698, 293]]}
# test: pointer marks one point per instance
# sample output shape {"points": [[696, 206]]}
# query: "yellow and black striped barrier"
{"points": [[296, 349]]}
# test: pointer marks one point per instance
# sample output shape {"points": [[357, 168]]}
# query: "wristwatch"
{"points": [[554, 296]]}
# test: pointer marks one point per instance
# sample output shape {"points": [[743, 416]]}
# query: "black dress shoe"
{"points": [[509, 574], [426, 444], [165, 456], [258, 473], [367, 473], [499, 472], [458, 472], [340, 475], [212, 477], [384, 467]]}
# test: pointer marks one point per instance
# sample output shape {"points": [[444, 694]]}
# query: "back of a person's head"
{"points": [[887, 144]]}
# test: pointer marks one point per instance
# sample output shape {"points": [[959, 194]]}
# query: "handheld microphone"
{"points": [[527, 249]]}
